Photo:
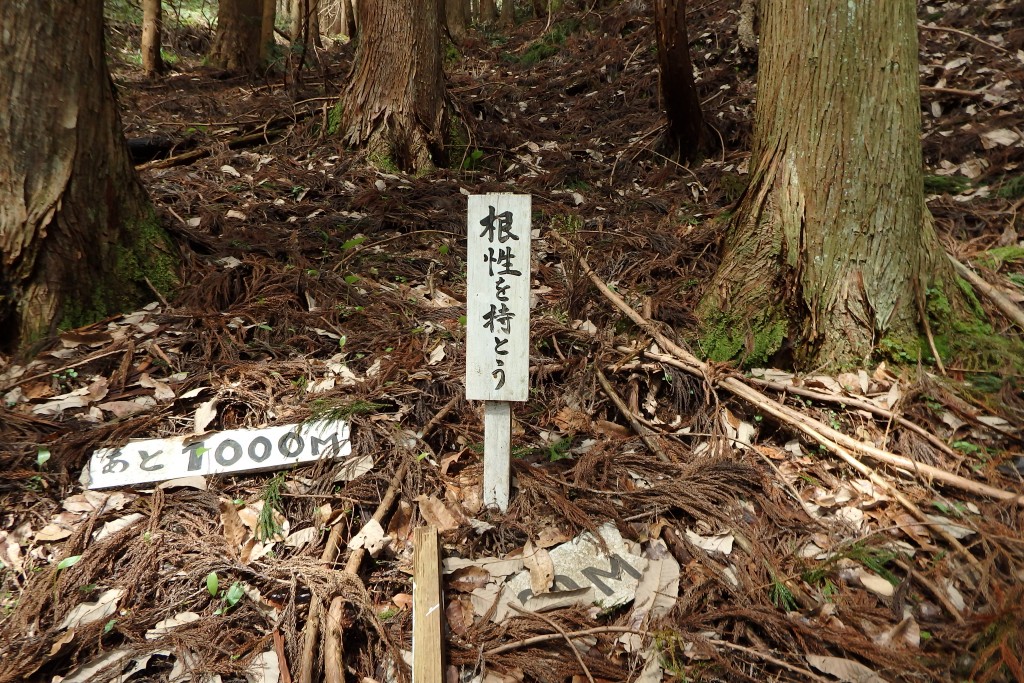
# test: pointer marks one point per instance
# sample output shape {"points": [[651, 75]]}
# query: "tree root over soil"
{"points": [[835, 441]]}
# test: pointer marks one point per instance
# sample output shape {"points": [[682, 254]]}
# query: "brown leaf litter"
{"points": [[314, 285]]}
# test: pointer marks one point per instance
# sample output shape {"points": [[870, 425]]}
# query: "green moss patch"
{"points": [[749, 342], [995, 258]]}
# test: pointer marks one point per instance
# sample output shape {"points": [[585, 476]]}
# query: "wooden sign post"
{"points": [[498, 325]]}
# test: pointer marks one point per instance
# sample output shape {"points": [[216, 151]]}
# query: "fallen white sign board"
{"points": [[234, 451]]}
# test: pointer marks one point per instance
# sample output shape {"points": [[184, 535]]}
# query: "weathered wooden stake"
{"points": [[497, 453], [427, 608]]}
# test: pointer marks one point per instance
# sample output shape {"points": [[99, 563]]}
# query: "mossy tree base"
{"points": [[78, 236], [831, 240]]}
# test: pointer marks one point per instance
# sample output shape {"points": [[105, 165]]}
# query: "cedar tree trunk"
{"points": [[152, 62], [831, 245], [342, 21], [394, 104], [236, 46], [305, 23], [78, 236], [267, 30], [457, 16], [508, 13], [685, 136], [488, 11]]}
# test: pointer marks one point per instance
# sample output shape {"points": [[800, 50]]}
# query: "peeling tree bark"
{"points": [[152, 61], [394, 104], [77, 232], [685, 137], [237, 43], [831, 244]]}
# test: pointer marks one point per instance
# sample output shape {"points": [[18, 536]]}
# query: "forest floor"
{"points": [[767, 530]]}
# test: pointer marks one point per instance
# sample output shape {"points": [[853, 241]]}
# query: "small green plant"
{"points": [[65, 378], [266, 525], [67, 562], [231, 598], [945, 184], [472, 160], [1011, 187], [212, 584], [327, 410], [966, 447], [781, 596], [872, 557], [42, 456]]}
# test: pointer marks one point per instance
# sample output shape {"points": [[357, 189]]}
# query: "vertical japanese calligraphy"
{"points": [[498, 298]]}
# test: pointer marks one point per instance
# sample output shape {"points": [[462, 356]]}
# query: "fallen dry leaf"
{"points": [[402, 601], [88, 612], [468, 579], [371, 537], [460, 614], [542, 570], [111, 528], [234, 530], [845, 670], [167, 625], [204, 416], [436, 513]]}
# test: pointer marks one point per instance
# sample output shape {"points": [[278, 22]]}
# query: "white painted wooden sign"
{"points": [[498, 298], [498, 325], [233, 451]]}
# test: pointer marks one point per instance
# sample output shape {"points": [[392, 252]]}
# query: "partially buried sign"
{"points": [[232, 451]]}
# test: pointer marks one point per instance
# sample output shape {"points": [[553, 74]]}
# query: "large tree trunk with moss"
{"points": [[685, 136], [831, 245], [78, 236], [152, 62], [394, 105], [237, 43]]}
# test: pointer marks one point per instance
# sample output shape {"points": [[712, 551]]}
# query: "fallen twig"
{"points": [[854, 402], [527, 642], [641, 430], [965, 34], [768, 658], [684, 360], [561, 631]]}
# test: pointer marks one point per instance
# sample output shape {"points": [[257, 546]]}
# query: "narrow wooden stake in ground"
{"points": [[498, 325], [427, 646], [497, 452]]}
